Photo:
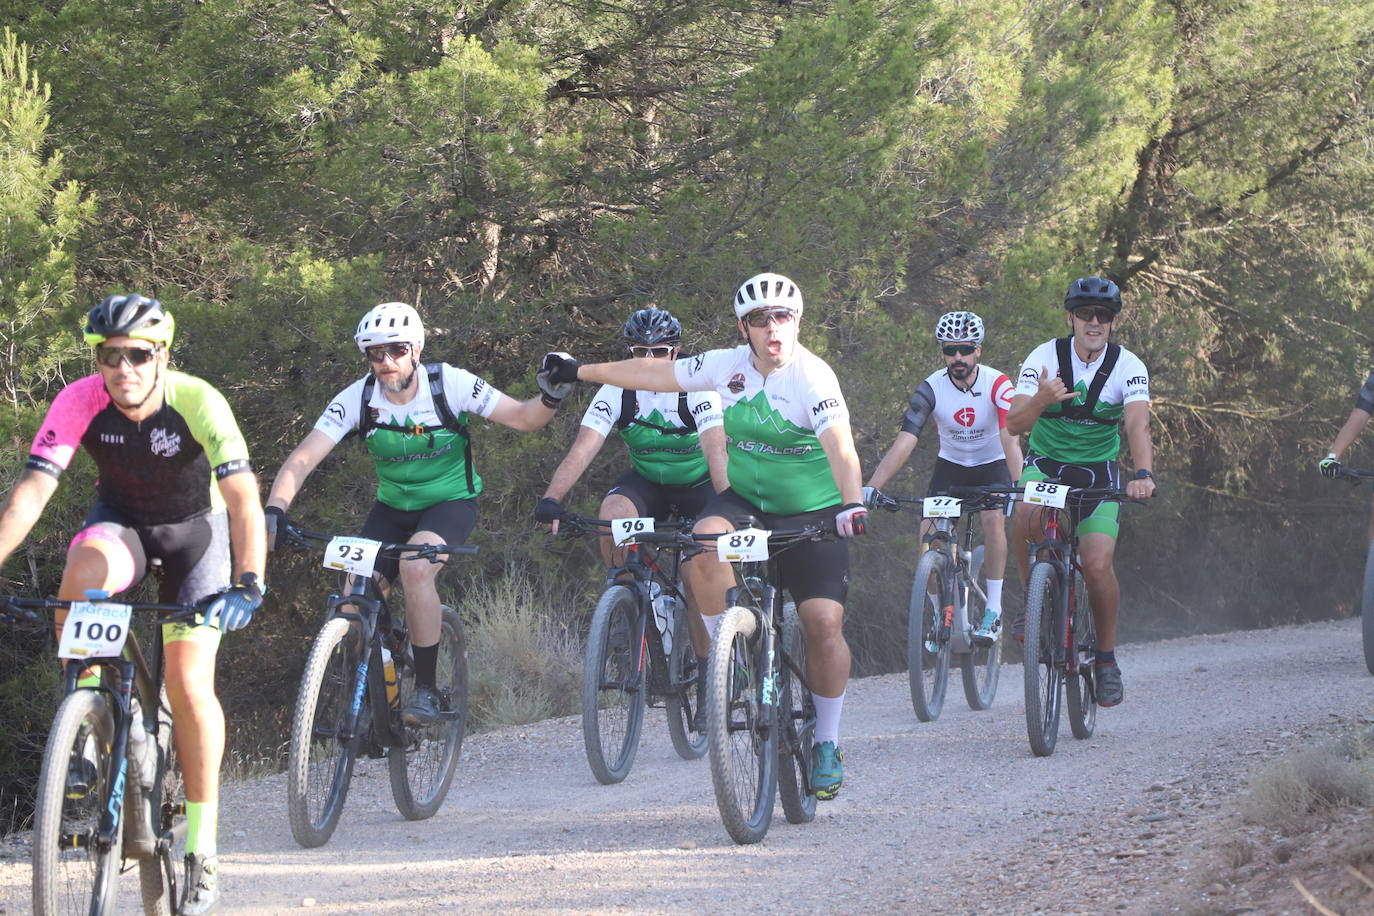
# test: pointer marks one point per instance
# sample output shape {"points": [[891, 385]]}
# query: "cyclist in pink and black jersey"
{"points": [[969, 404], [175, 485]]}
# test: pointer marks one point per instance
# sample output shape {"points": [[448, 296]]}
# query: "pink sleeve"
{"points": [[71, 412], [1002, 391]]}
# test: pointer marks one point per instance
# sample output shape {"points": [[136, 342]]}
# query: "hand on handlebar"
{"points": [[1330, 467]]}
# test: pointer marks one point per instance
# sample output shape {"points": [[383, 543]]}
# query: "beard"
{"points": [[399, 385]]}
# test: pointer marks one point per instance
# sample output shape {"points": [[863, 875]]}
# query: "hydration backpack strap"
{"points": [[1063, 350]]}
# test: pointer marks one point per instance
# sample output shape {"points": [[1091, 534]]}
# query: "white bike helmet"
{"points": [[390, 322], [957, 327], [767, 291]]}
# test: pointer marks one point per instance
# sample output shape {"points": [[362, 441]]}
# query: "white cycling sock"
{"points": [[827, 717], [995, 596]]}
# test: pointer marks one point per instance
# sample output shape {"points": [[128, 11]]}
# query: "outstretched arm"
{"points": [[525, 416], [633, 374]]}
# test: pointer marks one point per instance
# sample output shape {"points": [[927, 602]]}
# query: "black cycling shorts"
{"points": [[453, 520], [1088, 515], [662, 500], [194, 553], [948, 474], [814, 569]]}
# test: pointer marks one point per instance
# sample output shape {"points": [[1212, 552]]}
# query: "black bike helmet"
{"points": [[1093, 291], [652, 327], [130, 315]]}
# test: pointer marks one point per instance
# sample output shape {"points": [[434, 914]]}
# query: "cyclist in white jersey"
{"points": [[792, 462], [969, 403]]}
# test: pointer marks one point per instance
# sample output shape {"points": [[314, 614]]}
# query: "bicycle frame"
{"points": [[945, 539], [1062, 554]]}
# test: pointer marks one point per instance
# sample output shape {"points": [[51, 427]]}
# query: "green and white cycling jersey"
{"points": [[1083, 441], [771, 425], [415, 470], [660, 457]]}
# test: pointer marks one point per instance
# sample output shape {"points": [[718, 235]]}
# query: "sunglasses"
{"points": [[655, 352], [958, 349], [135, 356], [380, 352], [761, 319], [1103, 315]]}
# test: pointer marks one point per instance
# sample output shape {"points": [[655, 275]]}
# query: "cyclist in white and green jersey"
{"points": [[792, 462], [427, 487], [1074, 396], [677, 452]]}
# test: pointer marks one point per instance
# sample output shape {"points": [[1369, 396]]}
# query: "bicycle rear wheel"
{"points": [[613, 686], [1042, 676], [744, 754], [1080, 689], [981, 666], [927, 639], [321, 761], [168, 804], [69, 874], [1367, 611], [422, 769], [683, 675], [798, 732]]}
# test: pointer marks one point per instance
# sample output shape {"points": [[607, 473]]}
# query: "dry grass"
{"points": [[524, 665], [1285, 794]]}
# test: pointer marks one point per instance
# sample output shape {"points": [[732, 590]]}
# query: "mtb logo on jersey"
{"points": [[164, 443], [602, 407], [965, 416], [825, 405], [736, 383], [336, 410]]}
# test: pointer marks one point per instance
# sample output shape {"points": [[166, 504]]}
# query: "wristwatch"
{"points": [[1143, 474]]}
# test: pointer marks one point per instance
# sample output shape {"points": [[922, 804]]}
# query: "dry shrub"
{"points": [[524, 665], [1286, 792]]}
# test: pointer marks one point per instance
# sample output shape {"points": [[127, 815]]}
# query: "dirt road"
{"points": [[953, 816]]}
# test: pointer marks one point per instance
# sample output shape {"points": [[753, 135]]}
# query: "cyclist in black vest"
{"points": [[412, 419], [1075, 395], [676, 442]]}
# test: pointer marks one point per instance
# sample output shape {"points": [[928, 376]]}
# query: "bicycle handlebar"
{"points": [[22, 610], [430, 552], [1354, 473]]}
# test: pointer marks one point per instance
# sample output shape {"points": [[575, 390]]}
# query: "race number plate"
{"points": [[354, 555], [1040, 493], [94, 630], [941, 507], [623, 530], [743, 546]]}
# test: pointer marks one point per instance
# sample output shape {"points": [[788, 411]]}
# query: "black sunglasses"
{"points": [[640, 352], [379, 353], [1088, 313], [113, 356], [761, 319], [958, 349]]}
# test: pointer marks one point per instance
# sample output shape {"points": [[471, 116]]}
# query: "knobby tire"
{"points": [[744, 757], [1367, 611], [1080, 692], [422, 768], [982, 665], [682, 698], [1042, 676], [320, 766], [613, 691], [799, 726], [927, 669]]}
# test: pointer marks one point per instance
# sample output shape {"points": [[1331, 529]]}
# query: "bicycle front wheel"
{"points": [[982, 664], [1367, 611], [1041, 673], [321, 759], [613, 685], [1079, 689], [422, 769], [927, 638], [683, 674], [70, 875], [744, 753], [798, 731]]}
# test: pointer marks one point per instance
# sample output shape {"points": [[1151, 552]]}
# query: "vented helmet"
{"points": [[390, 322], [652, 327], [1093, 291], [767, 291], [129, 315], [957, 327]]}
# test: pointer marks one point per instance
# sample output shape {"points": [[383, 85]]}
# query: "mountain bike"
{"points": [[109, 790], [940, 631], [1061, 641], [760, 713], [357, 678], [629, 664], [1367, 593]]}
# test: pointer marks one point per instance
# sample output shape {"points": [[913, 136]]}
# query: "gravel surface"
{"points": [[954, 816]]}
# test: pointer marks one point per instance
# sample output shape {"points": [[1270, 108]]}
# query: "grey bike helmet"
{"points": [[652, 327], [957, 327], [1093, 291]]}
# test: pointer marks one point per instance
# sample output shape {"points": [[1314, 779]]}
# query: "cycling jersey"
{"points": [[155, 471], [415, 470], [969, 421], [660, 457], [1365, 399], [1083, 441], [771, 425]]}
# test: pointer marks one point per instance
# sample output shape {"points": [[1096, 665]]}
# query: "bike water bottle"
{"points": [[142, 751], [393, 693], [666, 609]]}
